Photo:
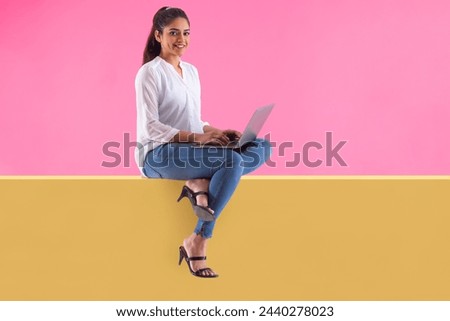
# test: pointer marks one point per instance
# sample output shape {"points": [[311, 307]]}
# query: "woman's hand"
{"points": [[232, 134], [213, 137], [216, 136]]}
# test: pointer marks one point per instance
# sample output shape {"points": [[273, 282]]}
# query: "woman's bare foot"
{"points": [[195, 245], [198, 185]]}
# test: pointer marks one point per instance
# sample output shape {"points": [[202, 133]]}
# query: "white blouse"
{"points": [[166, 103]]}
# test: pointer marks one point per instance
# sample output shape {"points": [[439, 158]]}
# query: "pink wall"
{"points": [[375, 73]]}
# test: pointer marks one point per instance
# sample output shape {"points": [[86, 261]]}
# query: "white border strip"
{"points": [[208, 310]]}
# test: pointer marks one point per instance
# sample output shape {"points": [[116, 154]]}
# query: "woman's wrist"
{"points": [[209, 128], [185, 137]]}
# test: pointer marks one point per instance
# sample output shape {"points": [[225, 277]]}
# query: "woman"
{"points": [[173, 141]]}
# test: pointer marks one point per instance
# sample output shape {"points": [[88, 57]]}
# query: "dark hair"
{"points": [[162, 18]]}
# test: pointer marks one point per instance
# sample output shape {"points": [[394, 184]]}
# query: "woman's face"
{"points": [[174, 38]]}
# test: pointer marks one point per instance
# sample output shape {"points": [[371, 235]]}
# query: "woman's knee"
{"points": [[266, 147], [258, 152]]}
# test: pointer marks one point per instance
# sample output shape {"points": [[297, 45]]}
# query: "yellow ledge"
{"points": [[248, 177], [280, 238]]}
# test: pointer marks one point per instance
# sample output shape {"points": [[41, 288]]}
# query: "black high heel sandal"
{"points": [[199, 272], [205, 213]]}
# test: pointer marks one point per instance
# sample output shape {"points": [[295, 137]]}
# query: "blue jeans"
{"points": [[224, 167]]}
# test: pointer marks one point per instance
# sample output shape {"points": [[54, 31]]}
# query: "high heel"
{"points": [[199, 272], [205, 213]]}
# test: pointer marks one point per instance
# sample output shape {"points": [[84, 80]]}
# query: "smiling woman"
{"points": [[169, 35], [174, 40], [169, 125]]}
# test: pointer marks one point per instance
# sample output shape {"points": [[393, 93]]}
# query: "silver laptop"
{"points": [[253, 127]]}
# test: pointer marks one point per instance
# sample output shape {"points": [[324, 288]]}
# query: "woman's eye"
{"points": [[173, 33], [187, 33]]}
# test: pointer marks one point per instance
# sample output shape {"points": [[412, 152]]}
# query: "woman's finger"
{"points": [[225, 139]]}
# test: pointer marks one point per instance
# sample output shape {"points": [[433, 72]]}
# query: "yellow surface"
{"points": [[280, 238]]}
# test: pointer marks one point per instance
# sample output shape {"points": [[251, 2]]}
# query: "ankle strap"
{"points": [[199, 193], [196, 258]]}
